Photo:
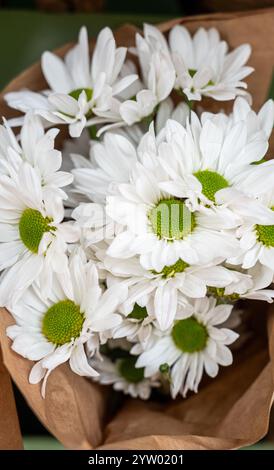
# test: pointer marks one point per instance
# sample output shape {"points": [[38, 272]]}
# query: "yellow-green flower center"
{"points": [[211, 182], [128, 370], [170, 271], [138, 313], [265, 234], [32, 226], [189, 335], [62, 322], [171, 219]]}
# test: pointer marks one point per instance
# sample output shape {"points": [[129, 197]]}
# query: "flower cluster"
{"points": [[130, 254]]}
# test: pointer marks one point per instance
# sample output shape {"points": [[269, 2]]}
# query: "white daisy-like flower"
{"points": [[167, 291], [204, 67], [250, 285], [54, 330], [37, 148], [157, 74], [124, 376], [204, 158], [192, 346], [256, 123], [33, 238], [83, 92], [136, 325], [162, 230], [110, 163], [257, 232]]}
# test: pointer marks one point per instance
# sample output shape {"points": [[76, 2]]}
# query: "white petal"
{"points": [[79, 364], [165, 305], [56, 73]]}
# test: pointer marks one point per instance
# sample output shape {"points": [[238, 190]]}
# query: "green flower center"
{"points": [[170, 271], [171, 219], [62, 322], [211, 183], [128, 370], [189, 335], [32, 226], [222, 298], [138, 313], [265, 234]]}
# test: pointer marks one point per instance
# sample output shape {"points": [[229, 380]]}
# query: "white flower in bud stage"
{"points": [[204, 67], [55, 330], [33, 238], [191, 346], [83, 92]]}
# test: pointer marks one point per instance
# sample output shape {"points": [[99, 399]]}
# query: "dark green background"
{"points": [[24, 35]]}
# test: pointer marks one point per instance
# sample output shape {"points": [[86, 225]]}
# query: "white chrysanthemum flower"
{"points": [[136, 325], [162, 230], [37, 148], [124, 376], [251, 284], [202, 159], [169, 290], [256, 123], [82, 92], [257, 232], [33, 238], [110, 163], [204, 67], [157, 73], [54, 330], [191, 346]]}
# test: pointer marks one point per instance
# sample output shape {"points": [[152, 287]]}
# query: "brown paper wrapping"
{"points": [[230, 411], [10, 436]]}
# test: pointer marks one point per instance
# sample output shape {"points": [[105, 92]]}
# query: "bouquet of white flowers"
{"points": [[135, 253]]}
